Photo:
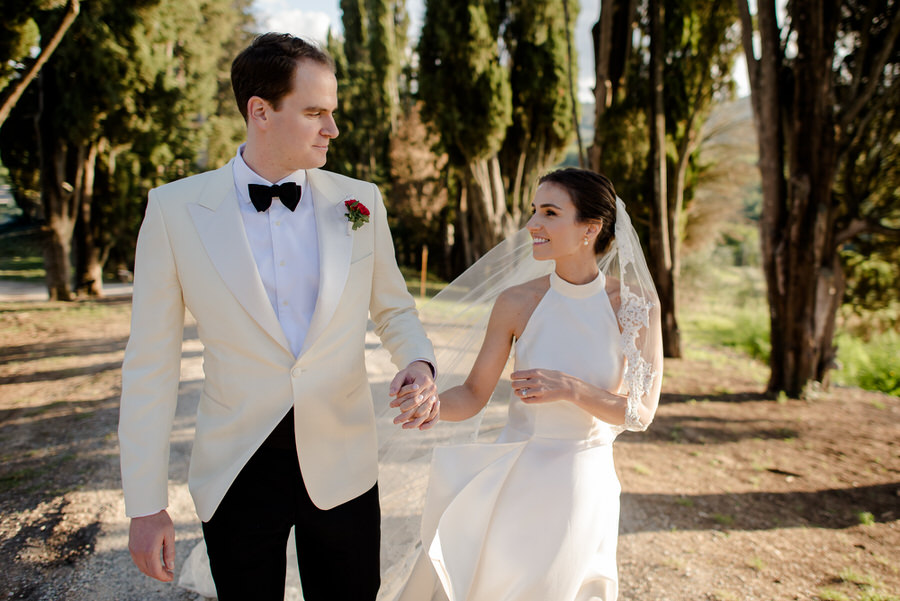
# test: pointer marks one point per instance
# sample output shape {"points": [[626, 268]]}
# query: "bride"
{"points": [[534, 515]]}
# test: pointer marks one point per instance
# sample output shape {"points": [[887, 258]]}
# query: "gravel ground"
{"points": [[729, 496]]}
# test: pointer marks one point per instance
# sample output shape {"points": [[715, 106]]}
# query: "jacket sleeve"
{"points": [[391, 307], [151, 369]]}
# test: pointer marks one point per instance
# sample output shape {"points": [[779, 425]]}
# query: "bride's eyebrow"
{"points": [[548, 204]]}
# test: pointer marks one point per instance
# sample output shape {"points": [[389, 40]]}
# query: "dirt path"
{"points": [[730, 496]]}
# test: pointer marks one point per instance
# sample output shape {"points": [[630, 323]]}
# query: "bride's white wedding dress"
{"points": [[533, 516]]}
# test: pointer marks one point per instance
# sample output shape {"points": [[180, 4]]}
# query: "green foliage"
{"points": [[493, 79], [870, 364], [18, 34], [20, 255], [700, 46], [534, 36], [140, 85], [872, 267], [368, 64], [725, 306], [464, 85]]}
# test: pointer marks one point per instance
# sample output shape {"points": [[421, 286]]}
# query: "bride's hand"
{"points": [[544, 385]]}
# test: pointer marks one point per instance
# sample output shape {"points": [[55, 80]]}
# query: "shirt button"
{"points": [[285, 303], [277, 223], [281, 264]]}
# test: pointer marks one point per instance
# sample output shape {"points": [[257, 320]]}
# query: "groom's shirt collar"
{"points": [[244, 176]]}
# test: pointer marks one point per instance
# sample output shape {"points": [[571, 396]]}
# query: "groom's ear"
{"points": [[258, 111]]}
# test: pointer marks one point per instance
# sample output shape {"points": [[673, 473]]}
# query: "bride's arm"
{"points": [[547, 385], [463, 401]]}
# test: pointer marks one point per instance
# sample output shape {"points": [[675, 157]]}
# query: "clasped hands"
{"points": [[415, 396]]}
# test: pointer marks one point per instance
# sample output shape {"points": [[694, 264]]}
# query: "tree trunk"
{"points": [[570, 70], [89, 263], [803, 274], [58, 197], [612, 46], [660, 231], [489, 220], [806, 262]]}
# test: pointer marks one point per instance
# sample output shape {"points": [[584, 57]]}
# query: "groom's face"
{"points": [[303, 125]]}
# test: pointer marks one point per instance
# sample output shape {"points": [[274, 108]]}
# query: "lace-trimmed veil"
{"points": [[456, 320]]}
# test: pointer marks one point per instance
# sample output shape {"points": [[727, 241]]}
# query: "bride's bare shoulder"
{"points": [[516, 304], [528, 294]]}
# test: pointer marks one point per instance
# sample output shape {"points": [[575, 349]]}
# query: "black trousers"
{"points": [[246, 539]]}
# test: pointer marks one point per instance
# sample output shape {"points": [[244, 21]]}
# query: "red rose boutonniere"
{"points": [[357, 213]]}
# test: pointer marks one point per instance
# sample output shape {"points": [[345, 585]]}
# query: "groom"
{"points": [[281, 270]]}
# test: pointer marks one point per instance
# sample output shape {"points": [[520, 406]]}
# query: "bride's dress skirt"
{"points": [[535, 515]]}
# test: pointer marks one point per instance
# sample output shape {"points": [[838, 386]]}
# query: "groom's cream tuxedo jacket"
{"points": [[193, 253]]}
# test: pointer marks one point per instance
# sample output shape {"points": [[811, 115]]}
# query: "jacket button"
{"points": [[296, 372]]}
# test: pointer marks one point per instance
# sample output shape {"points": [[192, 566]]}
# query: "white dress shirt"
{"points": [[286, 250]]}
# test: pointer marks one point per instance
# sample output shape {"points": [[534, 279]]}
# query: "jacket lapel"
{"points": [[335, 250], [217, 218]]}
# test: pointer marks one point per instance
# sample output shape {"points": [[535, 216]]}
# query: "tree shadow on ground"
{"points": [[669, 398], [74, 347], [71, 372], [64, 348], [52, 449], [709, 430], [832, 508]]}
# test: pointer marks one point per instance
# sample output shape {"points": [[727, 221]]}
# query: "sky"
{"points": [[313, 19]]}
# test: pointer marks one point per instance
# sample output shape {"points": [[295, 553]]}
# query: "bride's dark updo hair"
{"points": [[594, 198]]}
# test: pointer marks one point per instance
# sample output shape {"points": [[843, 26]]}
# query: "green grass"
{"points": [[723, 519], [724, 306], [757, 564], [642, 469], [865, 518], [21, 257], [830, 594], [852, 576], [870, 364], [413, 278], [872, 595]]}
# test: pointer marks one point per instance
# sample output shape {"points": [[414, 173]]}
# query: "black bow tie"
{"points": [[261, 196]]}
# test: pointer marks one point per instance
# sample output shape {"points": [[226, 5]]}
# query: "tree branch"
{"points": [[865, 38], [863, 226], [889, 98], [72, 9], [874, 76]]}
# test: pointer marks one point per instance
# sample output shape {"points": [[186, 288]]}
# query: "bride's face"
{"points": [[554, 228]]}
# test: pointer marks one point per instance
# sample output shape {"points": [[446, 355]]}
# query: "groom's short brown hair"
{"points": [[266, 67]]}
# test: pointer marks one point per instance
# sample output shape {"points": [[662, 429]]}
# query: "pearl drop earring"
{"points": [[586, 241]]}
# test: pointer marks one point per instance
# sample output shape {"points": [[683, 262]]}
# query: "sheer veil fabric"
{"points": [[456, 320]]}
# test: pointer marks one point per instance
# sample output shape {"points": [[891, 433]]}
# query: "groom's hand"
{"points": [[416, 397], [148, 537]]}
